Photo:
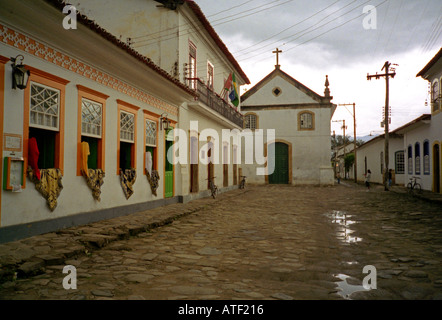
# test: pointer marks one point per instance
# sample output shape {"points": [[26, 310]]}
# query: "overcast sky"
{"points": [[331, 37]]}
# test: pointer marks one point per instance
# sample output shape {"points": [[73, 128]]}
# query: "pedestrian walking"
{"points": [[367, 179], [338, 176], [390, 177]]}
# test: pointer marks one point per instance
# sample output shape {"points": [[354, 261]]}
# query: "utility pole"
{"points": [[343, 140], [387, 76], [354, 141]]}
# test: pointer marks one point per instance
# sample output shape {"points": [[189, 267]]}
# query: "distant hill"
{"points": [[368, 137]]}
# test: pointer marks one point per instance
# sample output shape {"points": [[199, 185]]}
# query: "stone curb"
{"points": [[83, 240]]}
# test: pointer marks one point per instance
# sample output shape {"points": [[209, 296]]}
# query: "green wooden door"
{"points": [[280, 159], [168, 176]]}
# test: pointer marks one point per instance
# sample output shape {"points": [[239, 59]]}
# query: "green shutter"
{"points": [[168, 178]]}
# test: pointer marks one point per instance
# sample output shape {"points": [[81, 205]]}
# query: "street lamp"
{"points": [[164, 122], [20, 75]]}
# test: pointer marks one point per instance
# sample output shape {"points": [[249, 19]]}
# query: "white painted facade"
{"points": [[370, 156], [165, 36], [81, 57], [420, 141], [309, 158], [91, 58]]}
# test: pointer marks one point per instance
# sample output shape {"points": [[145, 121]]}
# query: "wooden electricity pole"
{"points": [[343, 141], [387, 76], [354, 141]]}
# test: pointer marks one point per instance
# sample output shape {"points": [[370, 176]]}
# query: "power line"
{"points": [[288, 27], [186, 32], [234, 7], [327, 31], [292, 35]]}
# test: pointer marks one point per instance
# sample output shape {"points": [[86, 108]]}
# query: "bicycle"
{"points": [[242, 184], [413, 185], [213, 187]]}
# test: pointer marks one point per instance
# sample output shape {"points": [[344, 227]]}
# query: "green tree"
{"points": [[349, 160]]}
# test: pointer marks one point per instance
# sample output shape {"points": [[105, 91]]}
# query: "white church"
{"points": [[300, 150]]}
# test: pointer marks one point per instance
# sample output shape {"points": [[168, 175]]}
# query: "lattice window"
{"points": [[151, 133], [44, 107], [91, 118], [306, 120], [400, 162], [250, 121], [127, 127]]}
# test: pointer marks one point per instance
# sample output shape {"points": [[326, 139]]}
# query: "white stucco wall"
{"points": [[29, 206], [431, 132], [371, 152]]}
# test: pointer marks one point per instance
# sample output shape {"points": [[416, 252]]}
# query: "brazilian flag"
{"points": [[234, 97]]}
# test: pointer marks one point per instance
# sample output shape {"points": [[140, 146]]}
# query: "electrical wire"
{"points": [[319, 28], [189, 30], [294, 25]]}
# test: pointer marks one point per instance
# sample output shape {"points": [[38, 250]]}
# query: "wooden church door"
{"points": [[281, 163]]}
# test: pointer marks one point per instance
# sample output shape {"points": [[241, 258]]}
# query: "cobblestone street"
{"points": [[264, 242]]}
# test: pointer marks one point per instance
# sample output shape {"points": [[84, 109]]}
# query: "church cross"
{"points": [[277, 51]]}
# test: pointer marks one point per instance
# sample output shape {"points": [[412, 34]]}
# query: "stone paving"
{"points": [[264, 242]]}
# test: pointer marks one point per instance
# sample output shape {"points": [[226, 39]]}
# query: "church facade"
{"points": [[300, 150]]}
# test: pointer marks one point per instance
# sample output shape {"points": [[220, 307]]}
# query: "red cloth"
{"points": [[33, 154]]}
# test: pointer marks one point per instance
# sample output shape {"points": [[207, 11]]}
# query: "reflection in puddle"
{"points": [[347, 289], [344, 220]]}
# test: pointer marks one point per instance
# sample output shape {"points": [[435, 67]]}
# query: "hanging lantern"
{"points": [[20, 75]]}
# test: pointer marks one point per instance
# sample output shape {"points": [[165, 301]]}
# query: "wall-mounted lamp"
{"points": [[20, 75], [164, 122]]}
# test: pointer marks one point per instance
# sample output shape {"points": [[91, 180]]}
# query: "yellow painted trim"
{"points": [[248, 114], [289, 144], [299, 121]]}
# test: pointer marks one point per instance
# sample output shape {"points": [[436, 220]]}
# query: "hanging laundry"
{"points": [[127, 179], [33, 154], [49, 185], [153, 181], [94, 180]]}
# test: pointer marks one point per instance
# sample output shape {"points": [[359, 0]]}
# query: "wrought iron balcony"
{"points": [[217, 103]]}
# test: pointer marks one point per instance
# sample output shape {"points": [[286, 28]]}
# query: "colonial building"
{"points": [[415, 147], [300, 151], [424, 144], [370, 156], [86, 138], [177, 36]]}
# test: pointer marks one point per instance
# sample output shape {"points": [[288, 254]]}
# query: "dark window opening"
{"points": [[125, 155], [46, 146], [92, 160]]}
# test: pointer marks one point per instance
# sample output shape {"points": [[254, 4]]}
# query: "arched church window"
{"points": [[306, 120], [251, 121]]}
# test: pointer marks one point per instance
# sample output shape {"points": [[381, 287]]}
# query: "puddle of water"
{"points": [[346, 290], [344, 220]]}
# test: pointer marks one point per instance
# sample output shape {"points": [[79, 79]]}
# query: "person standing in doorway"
{"points": [[367, 179]]}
